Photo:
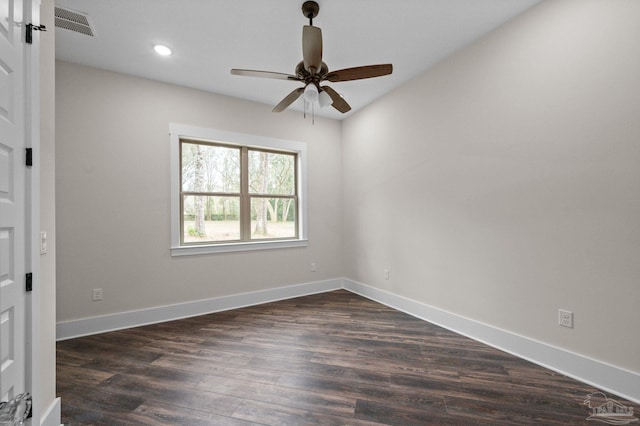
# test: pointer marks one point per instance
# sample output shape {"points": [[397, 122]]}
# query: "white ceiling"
{"points": [[209, 37]]}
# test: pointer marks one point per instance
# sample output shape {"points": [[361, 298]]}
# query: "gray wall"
{"points": [[505, 183], [112, 188]]}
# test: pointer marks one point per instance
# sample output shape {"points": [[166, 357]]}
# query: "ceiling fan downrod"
{"points": [[310, 10]]}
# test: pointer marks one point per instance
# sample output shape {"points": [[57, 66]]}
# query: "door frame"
{"points": [[32, 209]]}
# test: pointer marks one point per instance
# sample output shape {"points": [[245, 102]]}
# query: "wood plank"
{"points": [[186, 395], [272, 414], [313, 400], [156, 413]]}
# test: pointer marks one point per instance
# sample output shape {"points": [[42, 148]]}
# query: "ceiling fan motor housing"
{"points": [[306, 76]]}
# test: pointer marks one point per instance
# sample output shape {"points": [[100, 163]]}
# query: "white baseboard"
{"points": [[609, 378], [616, 380], [51, 417], [100, 324]]}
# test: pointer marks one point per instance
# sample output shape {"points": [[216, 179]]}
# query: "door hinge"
{"points": [[29, 282], [29, 158], [30, 29]]}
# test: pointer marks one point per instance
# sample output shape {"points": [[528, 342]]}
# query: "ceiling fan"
{"points": [[313, 72]]}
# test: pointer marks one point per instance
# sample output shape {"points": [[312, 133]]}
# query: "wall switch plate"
{"points": [[565, 318], [97, 295], [386, 274], [313, 267], [43, 242]]}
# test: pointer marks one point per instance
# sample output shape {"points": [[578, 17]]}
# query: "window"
{"points": [[231, 193], [235, 192]]}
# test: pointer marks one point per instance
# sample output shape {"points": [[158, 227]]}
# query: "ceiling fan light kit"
{"points": [[324, 100], [311, 93], [312, 71]]}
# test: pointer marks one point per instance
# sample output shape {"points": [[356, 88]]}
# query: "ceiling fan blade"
{"points": [[358, 73], [288, 100], [338, 101], [264, 74], [312, 47]]}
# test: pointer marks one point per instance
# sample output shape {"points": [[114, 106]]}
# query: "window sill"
{"points": [[234, 247]]}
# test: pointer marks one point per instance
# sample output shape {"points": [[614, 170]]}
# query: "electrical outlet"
{"points": [[97, 295], [386, 274], [565, 318], [313, 267]]}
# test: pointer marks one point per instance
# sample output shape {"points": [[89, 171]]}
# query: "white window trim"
{"points": [[178, 131]]}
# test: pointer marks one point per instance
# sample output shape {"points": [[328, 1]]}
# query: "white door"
{"points": [[12, 200]]}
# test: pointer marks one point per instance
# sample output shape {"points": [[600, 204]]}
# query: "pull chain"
{"points": [[313, 111]]}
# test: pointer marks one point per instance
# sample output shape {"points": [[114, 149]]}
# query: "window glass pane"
{"points": [[208, 168], [271, 173], [273, 218], [208, 219]]}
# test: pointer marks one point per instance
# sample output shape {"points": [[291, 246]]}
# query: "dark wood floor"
{"points": [[328, 359]]}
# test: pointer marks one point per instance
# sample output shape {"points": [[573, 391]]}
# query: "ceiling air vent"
{"points": [[73, 21]]}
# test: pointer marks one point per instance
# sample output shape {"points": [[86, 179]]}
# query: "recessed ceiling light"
{"points": [[162, 50]]}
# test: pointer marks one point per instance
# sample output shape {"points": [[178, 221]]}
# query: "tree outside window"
{"points": [[236, 193]]}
